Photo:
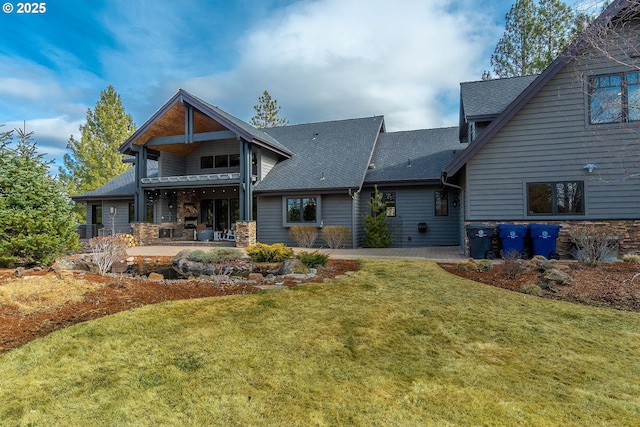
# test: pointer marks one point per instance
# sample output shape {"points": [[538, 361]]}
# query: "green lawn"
{"points": [[400, 343]]}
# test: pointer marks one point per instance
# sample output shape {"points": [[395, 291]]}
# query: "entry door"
{"points": [[96, 219]]}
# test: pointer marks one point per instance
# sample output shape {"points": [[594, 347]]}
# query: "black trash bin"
{"points": [[543, 239], [480, 237]]}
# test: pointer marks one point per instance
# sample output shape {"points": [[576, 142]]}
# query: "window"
{"points": [[234, 160], [301, 210], [441, 202], [555, 198], [389, 202], [206, 162], [614, 98], [222, 161]]}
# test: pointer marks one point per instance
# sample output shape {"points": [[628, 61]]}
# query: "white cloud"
{"points": [[334, 59]]}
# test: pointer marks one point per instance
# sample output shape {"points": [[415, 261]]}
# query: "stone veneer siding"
{"points": [[628, 232], [245, 234]]}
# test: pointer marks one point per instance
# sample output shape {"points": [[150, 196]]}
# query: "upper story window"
{"points": [[614, 98], [220, 161], [206, 162], [555, 198]]}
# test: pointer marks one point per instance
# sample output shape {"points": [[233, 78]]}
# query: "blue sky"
{"points": [[321, 59]]}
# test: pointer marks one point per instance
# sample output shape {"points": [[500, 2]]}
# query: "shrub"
{"points": [[277, 252], [313, 259], [512, 266], [336, 236], [534, 290], [376, 232], [215, 255], [468, 265], [484, 265], [592, 243], [105, 251], [304, 235], [632, 258], [128, 240]]}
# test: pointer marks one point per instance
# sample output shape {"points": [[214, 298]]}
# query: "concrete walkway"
{"points": [[435, 253]]}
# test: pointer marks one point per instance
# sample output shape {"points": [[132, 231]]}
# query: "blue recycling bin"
{"points": [[512, 239], [480, 237], [543, 240]]}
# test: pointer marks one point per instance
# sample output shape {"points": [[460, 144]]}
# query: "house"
{"points": [[565, 149], [556, 148], [196, 168]]}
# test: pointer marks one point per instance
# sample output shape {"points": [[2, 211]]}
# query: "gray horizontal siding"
{"points": [[267, 162], [336, 210], [171, 165], [414, 205], [550, 140], [211, 148]]}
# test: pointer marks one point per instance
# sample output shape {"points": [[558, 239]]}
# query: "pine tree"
{"points": [[94, 159], [35, 214], [534, 36], [267, 113], [376, 232]]}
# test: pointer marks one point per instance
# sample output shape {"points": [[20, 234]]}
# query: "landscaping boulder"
{"points": [[288, 267], [555, 276]]}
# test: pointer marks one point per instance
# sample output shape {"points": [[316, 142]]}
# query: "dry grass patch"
{"points": [[33, 294]]}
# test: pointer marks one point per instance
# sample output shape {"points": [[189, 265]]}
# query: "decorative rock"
{"points": [[156, 277], [255, 276], [130, 259], [557, 277], [288, 267], [19, 272]]}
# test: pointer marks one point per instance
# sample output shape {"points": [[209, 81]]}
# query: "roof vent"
{"points": [[372, 165]]}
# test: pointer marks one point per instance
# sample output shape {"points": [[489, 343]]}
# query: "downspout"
{"points": [[463, 206], [352, 195]]}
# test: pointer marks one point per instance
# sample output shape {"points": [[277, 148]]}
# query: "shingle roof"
{"points": [[327, 155], [122, 186], [489, 98], [428, 151]]}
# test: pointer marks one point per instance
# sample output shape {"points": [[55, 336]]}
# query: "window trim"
{"points": [[554, 198], [285, 211], [625, 110]]}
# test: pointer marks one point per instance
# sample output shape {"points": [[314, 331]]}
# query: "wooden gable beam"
{"points": [[195, 137]]}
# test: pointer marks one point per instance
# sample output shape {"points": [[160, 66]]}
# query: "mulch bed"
{"points": [[613, 285], [122, 293]]}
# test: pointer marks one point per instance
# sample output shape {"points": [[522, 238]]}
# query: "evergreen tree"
{"points": [[94, 159], [35, 213], [267, 113], [376, 232], [534, 36]]}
